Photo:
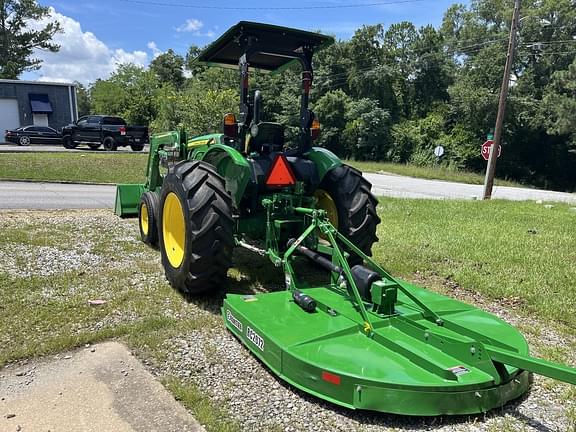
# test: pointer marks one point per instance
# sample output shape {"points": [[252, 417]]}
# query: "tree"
{"points": [[560, 103], [190, 60], [130, 92], [20, 35], [367, 132], [82, 99], [168, 67], [331, 110]]}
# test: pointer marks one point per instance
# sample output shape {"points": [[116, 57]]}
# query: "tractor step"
{"points": [[408, 365]]}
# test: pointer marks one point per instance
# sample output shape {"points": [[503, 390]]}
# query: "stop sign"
{"points": [[486, 149]]}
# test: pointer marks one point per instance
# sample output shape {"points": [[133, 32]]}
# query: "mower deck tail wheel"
{"points": [[148, 218], [351, 207], [195, 228]]}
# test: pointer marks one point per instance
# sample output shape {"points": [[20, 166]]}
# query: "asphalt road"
{"points": [[46, 148], [34, 195], [409, 187]]}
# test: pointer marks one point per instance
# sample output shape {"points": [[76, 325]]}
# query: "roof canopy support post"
{"points": [[306, 116]]}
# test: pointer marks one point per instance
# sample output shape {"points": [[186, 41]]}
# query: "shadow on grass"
{"points": [[255, 274]]}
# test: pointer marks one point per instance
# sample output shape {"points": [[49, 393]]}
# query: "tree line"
{"points": [[394, 93]]}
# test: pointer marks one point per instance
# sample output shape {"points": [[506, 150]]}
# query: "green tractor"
{"points": [[363, 339]]}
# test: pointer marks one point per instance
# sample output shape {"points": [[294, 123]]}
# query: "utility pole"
{"points": [[491, 169]]}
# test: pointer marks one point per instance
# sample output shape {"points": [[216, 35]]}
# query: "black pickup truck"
{"points": [[108, 131]]}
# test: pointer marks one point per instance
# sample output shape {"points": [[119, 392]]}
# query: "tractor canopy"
{"points": [[271, 47]]}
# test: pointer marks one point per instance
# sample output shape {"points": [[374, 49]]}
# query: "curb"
{"points": [[55, 182]]}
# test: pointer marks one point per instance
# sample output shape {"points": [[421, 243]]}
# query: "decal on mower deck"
{"points": [[234, 321], [255, 338], [459, 370]]}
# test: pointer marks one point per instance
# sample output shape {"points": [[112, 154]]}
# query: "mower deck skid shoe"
{"points": [[397, 370]]}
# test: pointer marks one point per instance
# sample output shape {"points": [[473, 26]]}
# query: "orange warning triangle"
{"points": [[280, 174]]}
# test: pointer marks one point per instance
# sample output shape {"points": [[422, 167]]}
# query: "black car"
{"points": [[27, 135]]}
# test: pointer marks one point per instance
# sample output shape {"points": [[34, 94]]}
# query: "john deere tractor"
{"points": [[219, 189], [362, 339]]}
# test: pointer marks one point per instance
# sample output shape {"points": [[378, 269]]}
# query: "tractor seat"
{"points": [[270, 138]]}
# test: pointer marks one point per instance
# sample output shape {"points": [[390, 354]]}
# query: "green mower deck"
{"points": [[410, 366]]}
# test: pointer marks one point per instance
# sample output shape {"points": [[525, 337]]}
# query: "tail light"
{"points": [[230, 127], [315, 129], [122, 130]]}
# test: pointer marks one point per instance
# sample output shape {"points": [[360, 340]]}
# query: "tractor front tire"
{"points": [[351, 207], [195, 228], [148, 218]]}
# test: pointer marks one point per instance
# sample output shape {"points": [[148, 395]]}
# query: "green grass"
{"points": [[433, 173], [203, 409], [520, 254], [74, 167], [130, 168]]}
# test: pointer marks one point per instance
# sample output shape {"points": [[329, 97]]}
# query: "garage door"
{"points": [[9, 117]]}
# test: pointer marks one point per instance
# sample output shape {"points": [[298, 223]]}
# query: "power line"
{"points": [[277, 8]]}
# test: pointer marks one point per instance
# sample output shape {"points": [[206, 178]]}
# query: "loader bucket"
{"points": [[127, 199]]}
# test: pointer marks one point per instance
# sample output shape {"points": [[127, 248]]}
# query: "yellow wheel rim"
{"points": [[173, 230], [144, 219], [325, 202]]}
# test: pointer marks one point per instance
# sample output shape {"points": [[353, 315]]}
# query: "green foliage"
{"points": [[82, 99], [130, 93], [331, 110], [168, 68], [196, 109], [560, 103], [18, 40], [367, 131]]}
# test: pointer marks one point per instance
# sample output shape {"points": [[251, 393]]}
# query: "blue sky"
{"points": [[98, 35]]}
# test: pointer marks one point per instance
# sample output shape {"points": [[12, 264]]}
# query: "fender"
{"points": [[324, 160], [230, 164]]}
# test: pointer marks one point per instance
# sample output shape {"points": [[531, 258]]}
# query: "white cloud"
{"points": [[154, 48], [82, 56], [191, 25]]}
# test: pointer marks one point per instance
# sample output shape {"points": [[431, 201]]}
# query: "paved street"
{"points": [[17, 195], [45, 148], [34, 195], [409, 187]]}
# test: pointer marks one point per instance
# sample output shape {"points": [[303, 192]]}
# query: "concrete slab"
{"points": [[101, 388]]}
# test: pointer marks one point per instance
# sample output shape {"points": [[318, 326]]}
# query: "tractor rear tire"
{"points": [[148, 218], [355, 207], [195, 228]]}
